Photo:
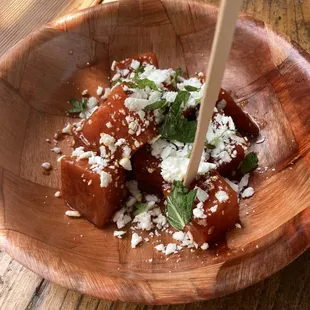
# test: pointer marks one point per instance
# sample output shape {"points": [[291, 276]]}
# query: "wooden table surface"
{"points": [[22, 289]]}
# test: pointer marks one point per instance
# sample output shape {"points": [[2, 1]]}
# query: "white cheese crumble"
{"points": [[170, 248], [132, 186], [201, 194], [57, 194], [221, 196], [56, 150], [205, 246], [174, 168], [91, 107], [214, 209], [135, 240], [135, 64], [119, 233], [46, 166], [73, 213], [248, 192], [99, 91], [160, 247], [67, 129], [244, 181], [121, 218], [105, 179], [125, 163]]}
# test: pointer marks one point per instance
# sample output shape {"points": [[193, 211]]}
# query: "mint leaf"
{"points": [[79, 106], [141, 207], [156, 105], [179, 206], [210, 146], [249, 163], [178, 72], [176, 126], [191, 88], [181, 98], [144, 83], [139, 70]]}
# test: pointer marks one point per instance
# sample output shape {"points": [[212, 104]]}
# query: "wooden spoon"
{"points": [[222, 42]]}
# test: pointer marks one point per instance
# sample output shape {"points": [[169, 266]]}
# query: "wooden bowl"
{"points": [[74, 53]]}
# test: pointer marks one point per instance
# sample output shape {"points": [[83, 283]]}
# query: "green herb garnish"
{"points": [[178, 72], [156, 105], [210, 146], [79, 106], [191, 88], [179, 206], [176, 126], [140, 208], [144, 83], [249, 163]]}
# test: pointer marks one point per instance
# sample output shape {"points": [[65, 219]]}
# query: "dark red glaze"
{"points": [[81, 190], [115, 112], [223, 219], [243, 121], [226, 169], [146, 171], [148, 58], [217, 223]]}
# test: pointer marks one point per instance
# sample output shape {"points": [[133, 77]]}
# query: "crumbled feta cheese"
{"points": [[244, 181], [198, 212], [135, 64], [109, 125], [174, 168], [205, 246], [171, 248], [120, 218], [178, 235], [248, 192], [151, 198], [84, 92], [73, 213], [46, 166], [135, 240], [67, 129], [106, 139], [144, 221], [214, 209], [56, 150], [57, 194], [116, 77], [136, 104], [132, 186], [221, 196], [170, 96], [105, 179], [113, 66], [201, 194], [125, 163], [119, 233], [99, 91], [107, 91], [232, 185], [160, 247], [131, 201]]}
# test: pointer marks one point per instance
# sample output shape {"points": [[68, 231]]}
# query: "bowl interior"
{"points": [[265, 72]]}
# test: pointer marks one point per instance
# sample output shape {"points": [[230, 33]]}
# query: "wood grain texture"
{"points": [[279, 289], [19, 18]]}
